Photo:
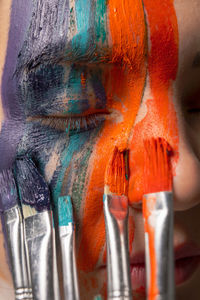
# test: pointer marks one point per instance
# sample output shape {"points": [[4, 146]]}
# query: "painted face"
{"points": [[81, 77]]}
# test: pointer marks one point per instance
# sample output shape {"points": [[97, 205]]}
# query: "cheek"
{"points": [[156, 123]]}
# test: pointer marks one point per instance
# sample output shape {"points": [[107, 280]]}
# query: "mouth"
{"points": [[187, 260]]}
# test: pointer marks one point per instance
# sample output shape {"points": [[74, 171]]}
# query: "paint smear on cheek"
{"points": [[124, 86], [160, 120]]}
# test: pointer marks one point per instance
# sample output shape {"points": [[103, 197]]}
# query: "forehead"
{"points": [[83, 30]]}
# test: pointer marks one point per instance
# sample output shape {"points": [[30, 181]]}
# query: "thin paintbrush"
{"points": [[158, 218], [55, 265], [14, 235], [67, 242], [115, 205], [35, 201]]}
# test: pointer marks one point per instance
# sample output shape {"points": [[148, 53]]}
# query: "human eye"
{"points": [[66, 97], [73, 124], [191, 112]]}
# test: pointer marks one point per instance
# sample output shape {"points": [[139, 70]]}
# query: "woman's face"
{"points": [[79, 77]]}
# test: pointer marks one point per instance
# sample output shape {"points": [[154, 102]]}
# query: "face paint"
{"points": [[70, 64], [124, 90], [12, 112], [160, 119]]}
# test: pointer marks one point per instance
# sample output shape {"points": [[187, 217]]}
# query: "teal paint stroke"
{"points": [[98, 297], [81, 39], [65, 211], [77, 106], [100, 20], [74, 86], [75, 144]]}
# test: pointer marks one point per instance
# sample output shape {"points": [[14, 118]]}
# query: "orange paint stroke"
{"points": [[128, 33], [160, 119]]}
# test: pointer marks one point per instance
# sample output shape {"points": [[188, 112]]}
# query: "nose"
{"points": [[185, 162], [186, 182]]}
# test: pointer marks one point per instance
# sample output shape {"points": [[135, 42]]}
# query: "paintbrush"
{"points": [[35, 201], [115, 205], [97, 297], [55, 264], [67, 242], [158, 219], [14, 235]]}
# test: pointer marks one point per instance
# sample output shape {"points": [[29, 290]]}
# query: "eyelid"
{"points": [[72, 124]]}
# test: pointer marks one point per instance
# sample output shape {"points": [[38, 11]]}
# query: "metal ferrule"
{"points": [[55, 269], [118, 265], [160, 222], [17, 254], [67, 241], [38, 230]]}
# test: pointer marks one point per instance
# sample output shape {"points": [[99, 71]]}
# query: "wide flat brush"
{"points": [[35, 201], [158, 220], [14, 235], [67, 242], [115, 205]]}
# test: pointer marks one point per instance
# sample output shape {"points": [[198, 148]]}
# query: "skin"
{"points": [[135, 88]]}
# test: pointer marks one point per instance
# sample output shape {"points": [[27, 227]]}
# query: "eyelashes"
{"points": [[71, 125]]}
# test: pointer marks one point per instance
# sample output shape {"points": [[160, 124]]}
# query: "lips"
{"points": [[187, 260]]}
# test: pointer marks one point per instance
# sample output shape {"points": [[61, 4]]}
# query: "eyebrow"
{"points": [[48, 41], [196, 61], [56, 53], [92, 55]]}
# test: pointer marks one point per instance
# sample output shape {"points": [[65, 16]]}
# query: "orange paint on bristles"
{"points": [[157, 166], [115, 175]]}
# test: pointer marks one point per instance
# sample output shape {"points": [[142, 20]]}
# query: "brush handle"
{"points": [[118, 265], [16, 249], [67, 241], [55, 268], [38, 230], [158, 218]]}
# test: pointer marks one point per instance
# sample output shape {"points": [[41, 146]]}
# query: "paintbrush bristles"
{"points": [[157, 166], [115, 179], [33, 190]]}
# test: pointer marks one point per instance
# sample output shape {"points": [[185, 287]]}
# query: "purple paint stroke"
{"points": [[12, 127]]}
